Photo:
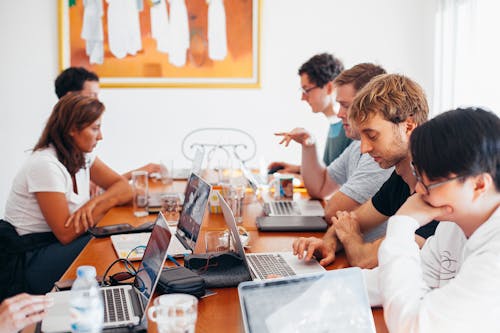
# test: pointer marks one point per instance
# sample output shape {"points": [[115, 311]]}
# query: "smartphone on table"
{"points": [[122, 228]]}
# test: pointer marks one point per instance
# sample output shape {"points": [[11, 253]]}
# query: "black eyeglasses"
{"points": [[427, 188], [306, 91]]}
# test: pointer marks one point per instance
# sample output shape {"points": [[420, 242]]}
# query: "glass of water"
{"points": [[170, 207], [140, 186]]}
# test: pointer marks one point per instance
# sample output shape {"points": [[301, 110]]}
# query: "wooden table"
{"points": [[220, 312]]}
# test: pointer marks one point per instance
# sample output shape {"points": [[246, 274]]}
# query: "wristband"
{"points": [[311, 141]]}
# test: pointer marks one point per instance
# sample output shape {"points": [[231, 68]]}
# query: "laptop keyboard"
{"points": [[270, 264], [285, 208], [115, 307]]}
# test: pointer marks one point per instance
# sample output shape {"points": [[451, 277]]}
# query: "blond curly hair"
{"points": [[393, 96]]}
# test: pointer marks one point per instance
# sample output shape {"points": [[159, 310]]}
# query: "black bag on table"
{"points": [[181, 280], [219, 270]]}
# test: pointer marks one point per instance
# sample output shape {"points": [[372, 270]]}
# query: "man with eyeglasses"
{"points": [[385, 112], [316, 80], [451, 284], [427, 188]]}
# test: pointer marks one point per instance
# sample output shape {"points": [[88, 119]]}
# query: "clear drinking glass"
{"points": [[140, 186], [234, 195], [171, 206]]}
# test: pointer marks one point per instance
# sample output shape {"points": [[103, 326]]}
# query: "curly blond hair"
{"points": [[393, 96]]}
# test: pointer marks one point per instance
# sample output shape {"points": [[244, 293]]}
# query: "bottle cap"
{"points": [[88, 271]]}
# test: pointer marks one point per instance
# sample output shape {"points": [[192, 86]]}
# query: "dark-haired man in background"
{"points": [[87, 83], [316, 80]]}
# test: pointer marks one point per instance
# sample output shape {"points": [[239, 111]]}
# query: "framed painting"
{"points": [[163, 43]]}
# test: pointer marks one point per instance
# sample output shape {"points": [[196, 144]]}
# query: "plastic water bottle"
{"points": [[87, 312]]}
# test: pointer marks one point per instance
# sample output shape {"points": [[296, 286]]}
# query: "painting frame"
{"points": [[210, 78]]}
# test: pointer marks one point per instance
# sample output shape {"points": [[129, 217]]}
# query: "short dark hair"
{"points": [[464, 141], [322, 68], [72, 79]]}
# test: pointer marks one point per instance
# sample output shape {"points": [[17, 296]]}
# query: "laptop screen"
{"points": [[193, 210], [153, 259], [332, 301], [233, 230]]}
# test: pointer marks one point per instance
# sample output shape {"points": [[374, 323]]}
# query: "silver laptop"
{"points": [[266, 265], [334, 301], [288, 215], [183, 173], [186, 234], [123, 305], [293, 208], [283, 207]]}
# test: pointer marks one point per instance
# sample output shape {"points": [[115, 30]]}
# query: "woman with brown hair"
{"points": [[49, 200]]}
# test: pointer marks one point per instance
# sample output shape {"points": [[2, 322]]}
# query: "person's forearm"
{"points": [[360, 254], [339, 202], [294, 168], [128, 174], [117, 194], [314, 173]]}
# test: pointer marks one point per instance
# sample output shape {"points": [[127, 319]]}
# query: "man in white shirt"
{"points": [[452, 284]]}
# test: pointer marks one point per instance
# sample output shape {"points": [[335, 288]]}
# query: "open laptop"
{"points": [[296, 207], [296, 215], [332, 301], [183, 173], [287, 215], [265, 265], [134, 298], [186, 235]]}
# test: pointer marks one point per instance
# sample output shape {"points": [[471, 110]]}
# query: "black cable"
{"points": [[128, 267]]}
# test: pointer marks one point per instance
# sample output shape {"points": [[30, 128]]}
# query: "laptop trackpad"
{"points": [[300, 266]]}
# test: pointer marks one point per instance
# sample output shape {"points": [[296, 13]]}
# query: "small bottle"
{"points": [[87, 312]]}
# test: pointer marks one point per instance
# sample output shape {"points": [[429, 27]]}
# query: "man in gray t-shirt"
{"points": [[352, 178], [358, 174]]}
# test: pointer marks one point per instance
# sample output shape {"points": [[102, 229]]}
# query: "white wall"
{"points": [[397, 34]]}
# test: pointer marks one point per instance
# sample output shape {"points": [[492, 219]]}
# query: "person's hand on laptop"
{"points": [[322, 249], [22, 310]]}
